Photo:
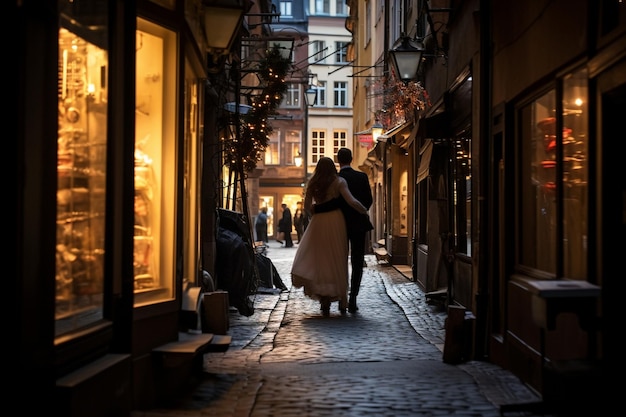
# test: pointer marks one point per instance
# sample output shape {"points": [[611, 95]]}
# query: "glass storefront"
{"points": [[554, 132], [81, 170], [155, 163]]}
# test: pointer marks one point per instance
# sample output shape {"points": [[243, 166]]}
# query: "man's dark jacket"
{"points": [[359, 186]]}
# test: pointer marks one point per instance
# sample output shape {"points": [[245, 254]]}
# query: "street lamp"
{"points": [[377, 130], [310, 95], [222, 20], [298, 160], [406, 58]]}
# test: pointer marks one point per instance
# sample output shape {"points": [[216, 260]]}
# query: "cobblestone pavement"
{"points": [[386, 360]]}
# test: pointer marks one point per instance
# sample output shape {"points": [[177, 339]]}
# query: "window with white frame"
{"points": [[318, 145], [322, 7], [292, 96], [285, 9], [272, 152], [341, 8], [292, 146], [340, 140], [318, 51], [340, 91], [320, 99], [341, 53]]}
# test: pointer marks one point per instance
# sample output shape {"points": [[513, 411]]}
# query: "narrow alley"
{"points": [[288, 360]]}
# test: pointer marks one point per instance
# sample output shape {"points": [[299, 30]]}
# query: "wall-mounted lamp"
{"points": [[310, 96], [222, 20], [406, 58], [377, 130], [298, 160]]}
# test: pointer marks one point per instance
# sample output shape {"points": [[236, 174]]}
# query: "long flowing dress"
{"points": [[321, 261]]}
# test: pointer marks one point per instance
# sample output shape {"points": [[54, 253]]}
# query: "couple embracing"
{"points": [[338, 203]]}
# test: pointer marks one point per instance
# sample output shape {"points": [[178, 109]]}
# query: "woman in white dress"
{"points": [[320, 265]]}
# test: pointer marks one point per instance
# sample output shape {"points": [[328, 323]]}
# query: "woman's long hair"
{"points": [[324, 175]]}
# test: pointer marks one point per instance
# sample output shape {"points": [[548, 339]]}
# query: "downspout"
{"points": [[483, 321]]}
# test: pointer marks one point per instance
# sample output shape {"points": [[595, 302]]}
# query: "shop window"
{"points": [[155, 163], [553, 217], [191, 183], [81, 168], [462, 192], [267, 201]]}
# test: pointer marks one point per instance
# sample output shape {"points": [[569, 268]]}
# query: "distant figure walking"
{"points": [[298, 223], [286, 225], [320, 265], [260, 225]]}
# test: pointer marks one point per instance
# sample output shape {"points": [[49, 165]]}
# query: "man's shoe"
{"points": [[325, 306], [352, 307]]}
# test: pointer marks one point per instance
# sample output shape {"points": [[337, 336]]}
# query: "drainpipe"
{"points": [[485, 114]]}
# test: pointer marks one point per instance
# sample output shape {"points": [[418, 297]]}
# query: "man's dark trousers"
{"points": [[357, 253], [357, 226]]}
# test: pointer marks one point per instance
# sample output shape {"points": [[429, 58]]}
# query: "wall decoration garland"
{"points": [[247, 148]]}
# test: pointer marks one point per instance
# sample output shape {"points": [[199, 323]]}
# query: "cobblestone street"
{"points": [[385, 360]]}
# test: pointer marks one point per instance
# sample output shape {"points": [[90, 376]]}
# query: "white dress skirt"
{"points": [[320, 265]]}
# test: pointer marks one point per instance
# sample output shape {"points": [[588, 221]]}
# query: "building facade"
{"points": [[117, 138], [511, 188]]}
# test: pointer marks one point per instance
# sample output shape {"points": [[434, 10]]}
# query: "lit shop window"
{"points": [[81, 170], [554, 190], [155, 163]]}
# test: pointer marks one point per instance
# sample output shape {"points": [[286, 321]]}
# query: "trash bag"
{"points": [[235, 270], [268, 275]]}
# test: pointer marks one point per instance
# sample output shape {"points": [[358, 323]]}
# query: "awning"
{"points": [[426, 152], [412, 136], [393, 131], [436, 126]]}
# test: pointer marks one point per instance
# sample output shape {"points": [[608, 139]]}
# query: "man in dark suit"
{"points": [[357, 224], [287, 225]]}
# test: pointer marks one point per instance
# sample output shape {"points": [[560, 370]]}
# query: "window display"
{"points": [[155, 163], [554, 171], [81, 187]]}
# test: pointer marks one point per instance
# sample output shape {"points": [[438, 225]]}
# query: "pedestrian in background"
{"points": [[260, 226], [357, 224], [298, 223], [320, 265], [286, 225]]}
